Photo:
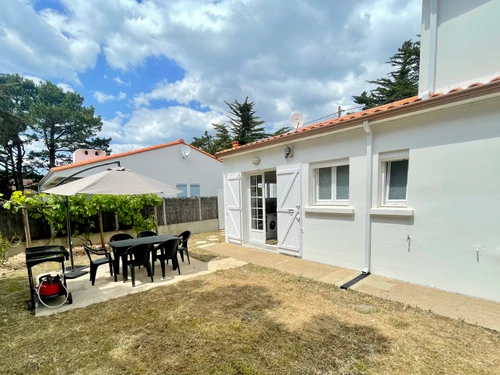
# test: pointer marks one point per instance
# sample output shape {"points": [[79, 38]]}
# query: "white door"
{"points": [[257, 223], [232, 189], [288, 209]]}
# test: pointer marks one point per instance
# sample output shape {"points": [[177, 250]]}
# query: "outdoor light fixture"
{"points": [[256, 160], [288, 153]]}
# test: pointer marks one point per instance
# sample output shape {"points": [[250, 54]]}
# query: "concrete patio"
{"points": [[105, 288]]}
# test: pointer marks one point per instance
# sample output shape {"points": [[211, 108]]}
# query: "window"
{"points": [[256, 202], [332, 185], [395, 179], [183, 188], [195, 190]]}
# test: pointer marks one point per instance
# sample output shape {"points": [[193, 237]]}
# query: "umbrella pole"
{"points": [[73, 273], [68, 231], [101, 229]]}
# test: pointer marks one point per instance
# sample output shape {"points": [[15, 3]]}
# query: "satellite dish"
{"points": [[297, 120], [185, 151]]}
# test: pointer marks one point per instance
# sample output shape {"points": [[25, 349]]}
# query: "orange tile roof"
{"points": [[387, 109], [127, 153]]}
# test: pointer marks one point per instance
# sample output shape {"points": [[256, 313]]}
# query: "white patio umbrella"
{"points": [[114, 181]]}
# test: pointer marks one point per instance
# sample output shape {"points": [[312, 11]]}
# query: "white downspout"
{"points": [[368, 221], [431, 72]]}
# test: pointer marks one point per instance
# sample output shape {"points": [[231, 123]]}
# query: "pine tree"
{"points": [[62, 124], [244, 125], [401, 83], [214, 143]]}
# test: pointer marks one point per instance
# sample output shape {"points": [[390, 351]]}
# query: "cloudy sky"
{"points": [[160, 70]]}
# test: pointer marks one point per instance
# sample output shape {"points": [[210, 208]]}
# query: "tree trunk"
{"points": [[52, 147], [19, 178]]}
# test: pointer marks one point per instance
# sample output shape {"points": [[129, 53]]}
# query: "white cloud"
{"points": [[103, 98], [121, 82], [65, 87], [311, 58], [286, 55], [36, 80], [148, 127]]}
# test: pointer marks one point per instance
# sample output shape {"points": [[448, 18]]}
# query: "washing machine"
{"points": [[271, 226]]}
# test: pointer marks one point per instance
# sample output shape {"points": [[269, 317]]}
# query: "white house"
{"points": [[409, 190], [179, 164]]}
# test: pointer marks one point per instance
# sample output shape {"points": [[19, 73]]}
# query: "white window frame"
{"points": [[386, 159], [315, 183]]}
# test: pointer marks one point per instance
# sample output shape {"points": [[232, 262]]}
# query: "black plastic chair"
{"points": [[136, 256], [120, 237], [183, 246], [116, 256], [168, 251], [146, 233], [95, 263]]}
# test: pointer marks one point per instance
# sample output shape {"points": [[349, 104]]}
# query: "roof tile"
{"points": [[382, 108], [121, 154]]}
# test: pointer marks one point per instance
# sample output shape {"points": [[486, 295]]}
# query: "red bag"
{"points": [[49, 285]]}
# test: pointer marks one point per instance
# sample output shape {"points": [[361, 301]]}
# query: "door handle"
{"points": [[291, 210]]}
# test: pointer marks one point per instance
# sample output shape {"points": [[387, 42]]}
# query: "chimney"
{"points": [[235, 144], [87, 154]]}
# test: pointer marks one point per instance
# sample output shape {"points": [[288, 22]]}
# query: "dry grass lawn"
{"points": [[249, 320]]}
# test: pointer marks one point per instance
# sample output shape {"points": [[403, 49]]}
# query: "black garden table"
{"points": [[120, 248]]}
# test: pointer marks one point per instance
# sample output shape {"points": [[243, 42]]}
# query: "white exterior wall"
{"points": [[467, 36], [453, 188], [167, 165], [329, 238]]}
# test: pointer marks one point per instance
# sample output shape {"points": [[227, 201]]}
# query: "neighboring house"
{"points": [[409, 190], [197, 174]]}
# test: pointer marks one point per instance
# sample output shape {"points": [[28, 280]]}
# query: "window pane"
{"points": [[398, 179], [325, 183], [343, 182], [195, 190], [257, 224], [183, 188]]}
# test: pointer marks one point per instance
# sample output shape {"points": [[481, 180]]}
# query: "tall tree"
{"points": [[222, 139], [401, 83], [63, 124], [214, 143], [17, 95], [244, 124], [205, 143]]}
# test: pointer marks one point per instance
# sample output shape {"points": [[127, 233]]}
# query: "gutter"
{"points": [[368, 201], [431, 68]]}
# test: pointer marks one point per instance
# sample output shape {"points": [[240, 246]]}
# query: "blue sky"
{"points": [[157, 71]]}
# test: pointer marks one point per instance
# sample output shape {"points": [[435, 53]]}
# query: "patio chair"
{"points": [[120, 237], [168, 251], [95, 263], [183, 246], [116, 256], [136, 256], [146, 233]]}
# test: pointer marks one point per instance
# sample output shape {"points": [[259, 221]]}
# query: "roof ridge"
{"points": [[132, 152]]}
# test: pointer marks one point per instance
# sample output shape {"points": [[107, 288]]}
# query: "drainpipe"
{"points": [[431, 68], [368, 220]]}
